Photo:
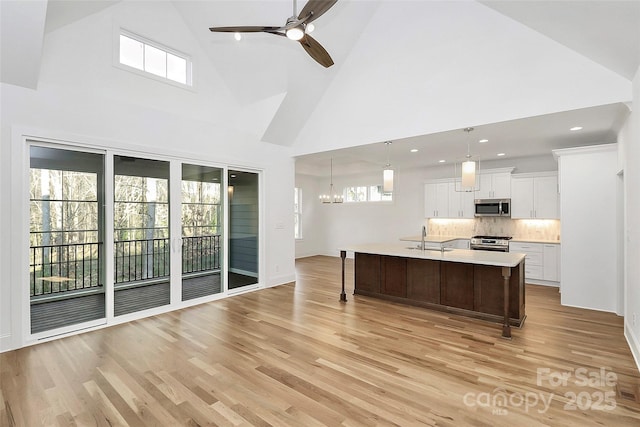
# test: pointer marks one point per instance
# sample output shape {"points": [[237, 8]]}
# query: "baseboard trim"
{"points": [[634, 344]]}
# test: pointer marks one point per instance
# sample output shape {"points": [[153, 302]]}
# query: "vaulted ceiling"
{"points": [[409, 71]]}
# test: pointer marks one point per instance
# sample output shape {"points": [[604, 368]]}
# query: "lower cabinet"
{"points": [[441, 285], [423, 280], [393, 276], [367, 272], [456, 285], [542, 262], [488, 288]]}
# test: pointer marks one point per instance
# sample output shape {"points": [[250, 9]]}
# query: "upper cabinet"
{"points": [[494, 186], [535, 196], [460, 202], [436, 199]]}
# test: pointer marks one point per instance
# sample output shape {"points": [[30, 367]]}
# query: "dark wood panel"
{"points": [[489, 291], [423, 280], [393, 279], [367, 272], [456, 285]]}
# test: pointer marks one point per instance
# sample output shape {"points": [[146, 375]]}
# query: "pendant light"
{"points": [[469, 169], [332, 197], [387, 174]]}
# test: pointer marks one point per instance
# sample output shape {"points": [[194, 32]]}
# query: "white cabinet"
{"points": [[494, 186], [551, 261], [542, 262], [436, 200], [534, 196], [460, 202]]}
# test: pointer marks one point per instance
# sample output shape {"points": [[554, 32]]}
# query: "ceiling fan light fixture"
{"points": [[309, 28], [295, 33]]}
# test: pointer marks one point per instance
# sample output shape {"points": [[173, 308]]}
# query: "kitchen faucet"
{"points": [[424, 235]]}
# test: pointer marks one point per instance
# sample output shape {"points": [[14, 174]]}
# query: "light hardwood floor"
{"points": [[294, 355]]}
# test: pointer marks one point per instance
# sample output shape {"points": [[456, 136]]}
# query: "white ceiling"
{"points": [[262, 66]]}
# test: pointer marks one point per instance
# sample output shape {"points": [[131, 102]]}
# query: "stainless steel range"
{"points": [[490, 243]]}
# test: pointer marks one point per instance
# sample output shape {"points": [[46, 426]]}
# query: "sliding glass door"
{"points": [[66, 236], [202, 229], [244, 203], [142, 246]]}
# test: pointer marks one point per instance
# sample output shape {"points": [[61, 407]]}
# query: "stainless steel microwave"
{"points": [[493, 207]]}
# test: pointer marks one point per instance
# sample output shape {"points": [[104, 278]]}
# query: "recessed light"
{"points": [[414, 150], [232, 176], [482, 141], [501, 154], [441, 161], [576, 128]]}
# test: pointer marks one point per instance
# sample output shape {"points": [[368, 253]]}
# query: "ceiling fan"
{"points": [[296, 28]]}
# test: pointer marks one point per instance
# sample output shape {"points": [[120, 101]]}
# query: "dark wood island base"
{"points": [[494, 293]]}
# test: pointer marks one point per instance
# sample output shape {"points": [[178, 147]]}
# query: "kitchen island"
{"points": [[482, 284]]}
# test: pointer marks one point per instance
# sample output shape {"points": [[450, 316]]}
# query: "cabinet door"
{"points": [[393, 277], [467, 207], [522, 198], [546, 197], [456, 285], [551, 262], [423, 280], [454, 200], [501, 184], [485, 190], [430, 200], [367, 273], [436, 200]]}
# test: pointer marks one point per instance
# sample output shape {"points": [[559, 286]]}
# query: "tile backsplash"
{"points": [[535, 229]]}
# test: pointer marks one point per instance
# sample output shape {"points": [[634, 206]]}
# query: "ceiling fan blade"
{"points": [[316, 51], [243, 29], [315, 8]]}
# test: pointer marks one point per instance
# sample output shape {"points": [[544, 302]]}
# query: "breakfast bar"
{"points": [[481, 284]]}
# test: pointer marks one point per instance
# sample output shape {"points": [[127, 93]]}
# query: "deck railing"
{"points": [[62, 268]]}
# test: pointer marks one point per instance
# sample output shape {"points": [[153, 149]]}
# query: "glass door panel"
{"points": [[243, 228], [66, 235], [201, 231], [142, 246]]}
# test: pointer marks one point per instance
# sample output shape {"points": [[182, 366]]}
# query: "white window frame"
{"points": [[367, 194], [189, 85]]}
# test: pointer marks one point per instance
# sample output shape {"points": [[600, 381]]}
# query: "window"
{"points": [[154, 59], [297, 212], [372, 193]]}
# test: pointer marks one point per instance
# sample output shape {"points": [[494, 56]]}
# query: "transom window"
{"points": [[154, 59]]}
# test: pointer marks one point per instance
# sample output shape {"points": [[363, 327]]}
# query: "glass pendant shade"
{"points": [[387, 180], [468, 174]]}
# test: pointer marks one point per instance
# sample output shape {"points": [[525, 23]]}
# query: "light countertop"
{"points": [[432, 238], [498, 259], [522, 240]]}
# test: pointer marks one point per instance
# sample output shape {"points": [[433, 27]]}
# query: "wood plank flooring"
{"points": [[294, 355]]}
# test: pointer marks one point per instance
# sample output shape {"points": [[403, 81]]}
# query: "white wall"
{"points": [[587, 178], [631, 144], [83, 98]]}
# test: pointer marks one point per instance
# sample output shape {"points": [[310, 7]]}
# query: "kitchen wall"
{"points": [[344, 224], [83, 98]]}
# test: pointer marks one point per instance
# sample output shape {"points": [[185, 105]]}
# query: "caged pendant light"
{"points": [[332, 197]]}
